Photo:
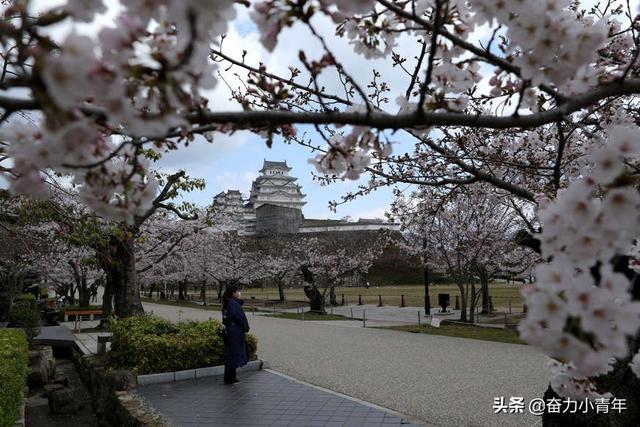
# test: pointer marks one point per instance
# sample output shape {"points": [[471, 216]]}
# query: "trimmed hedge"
{"points": [[25, 314], [148, 344], [14, 367]]}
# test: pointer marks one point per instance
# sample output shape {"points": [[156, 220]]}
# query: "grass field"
{"points": [[463, 331], [501, 294]]}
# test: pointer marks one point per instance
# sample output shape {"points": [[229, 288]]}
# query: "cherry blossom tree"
{"points": [[331, 259], [467, 232], [279, 259], [535, 98]]}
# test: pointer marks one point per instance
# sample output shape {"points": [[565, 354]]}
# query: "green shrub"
{"points": [[148, 344], [14, 365], [252, 344], [30, 298], [25, 314]]}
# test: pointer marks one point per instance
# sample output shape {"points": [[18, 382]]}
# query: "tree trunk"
{"points": [[484, 286], [80, 277], [463, 302], [182, 290], [220, 289], [427, 301], [333, 300], [472, 305], [316, 299], [126, 292], [84, 296], [107, 298], [281, 291]]}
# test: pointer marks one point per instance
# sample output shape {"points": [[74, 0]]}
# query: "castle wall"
{"points": [[273, 219], [349, 227]]}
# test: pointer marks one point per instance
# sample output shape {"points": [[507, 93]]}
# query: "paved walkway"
{"points": [[386, 314], [262, 398], [441, 380]]}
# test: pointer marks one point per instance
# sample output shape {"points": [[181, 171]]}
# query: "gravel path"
{"points": [[440, 380]]}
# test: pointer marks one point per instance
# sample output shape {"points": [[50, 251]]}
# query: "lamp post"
{"points": [[427, 303]]}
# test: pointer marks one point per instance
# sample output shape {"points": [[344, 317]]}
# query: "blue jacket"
{"points": [[237, 325]]}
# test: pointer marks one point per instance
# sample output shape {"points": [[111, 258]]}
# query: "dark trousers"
{"points": [[229, 374]]}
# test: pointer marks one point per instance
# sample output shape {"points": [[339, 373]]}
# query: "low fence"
{"points": [[506, 311]]}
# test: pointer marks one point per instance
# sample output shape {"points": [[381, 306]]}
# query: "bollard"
{"points": [[364, 318], [509, 305], [379, 300], [402, 301], [359, 299], [332, 310], [457, 306], [418, 317], [342, 302], [351, 313], [490, 304]]}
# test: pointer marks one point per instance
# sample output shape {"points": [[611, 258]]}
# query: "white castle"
{"points": [[275, 206]]}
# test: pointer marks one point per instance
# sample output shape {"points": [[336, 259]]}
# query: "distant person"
{"points": [[236, 326]]}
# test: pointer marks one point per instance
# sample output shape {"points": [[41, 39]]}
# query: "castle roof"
{"points": [[268, 164]]}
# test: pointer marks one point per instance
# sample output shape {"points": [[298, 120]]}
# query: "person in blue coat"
{"points": [[236, 326]]}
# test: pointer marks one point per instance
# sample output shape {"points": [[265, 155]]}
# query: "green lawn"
{"points": [[464, 331], [502, 295], [308, 316]]}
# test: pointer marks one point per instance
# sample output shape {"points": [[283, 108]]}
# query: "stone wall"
{"points": [[272, 219], [113, 399]]}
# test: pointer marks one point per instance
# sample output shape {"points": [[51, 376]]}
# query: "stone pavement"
{"points": [[262, 398], [440, 380], [86, 341]]}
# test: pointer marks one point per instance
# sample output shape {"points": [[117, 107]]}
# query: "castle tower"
{"points": [[275, 187], [231, 214]]}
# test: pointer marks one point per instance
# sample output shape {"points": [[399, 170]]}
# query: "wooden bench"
{"points": [[80, 313]]}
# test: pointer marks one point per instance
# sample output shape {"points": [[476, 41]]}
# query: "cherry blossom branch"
{"points": [[289, 82], [432, 53], [490, 57], [557, 166], [381, 120], [416, 71]]}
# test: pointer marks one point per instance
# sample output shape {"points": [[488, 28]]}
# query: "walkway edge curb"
{"points": [[192, 374], [354, 399]]}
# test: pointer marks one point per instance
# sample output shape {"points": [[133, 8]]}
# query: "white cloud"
{"points": [[234, 181], [200, 157]]}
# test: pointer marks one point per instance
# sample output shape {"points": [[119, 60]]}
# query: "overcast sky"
{"points": [[232, 162]]}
